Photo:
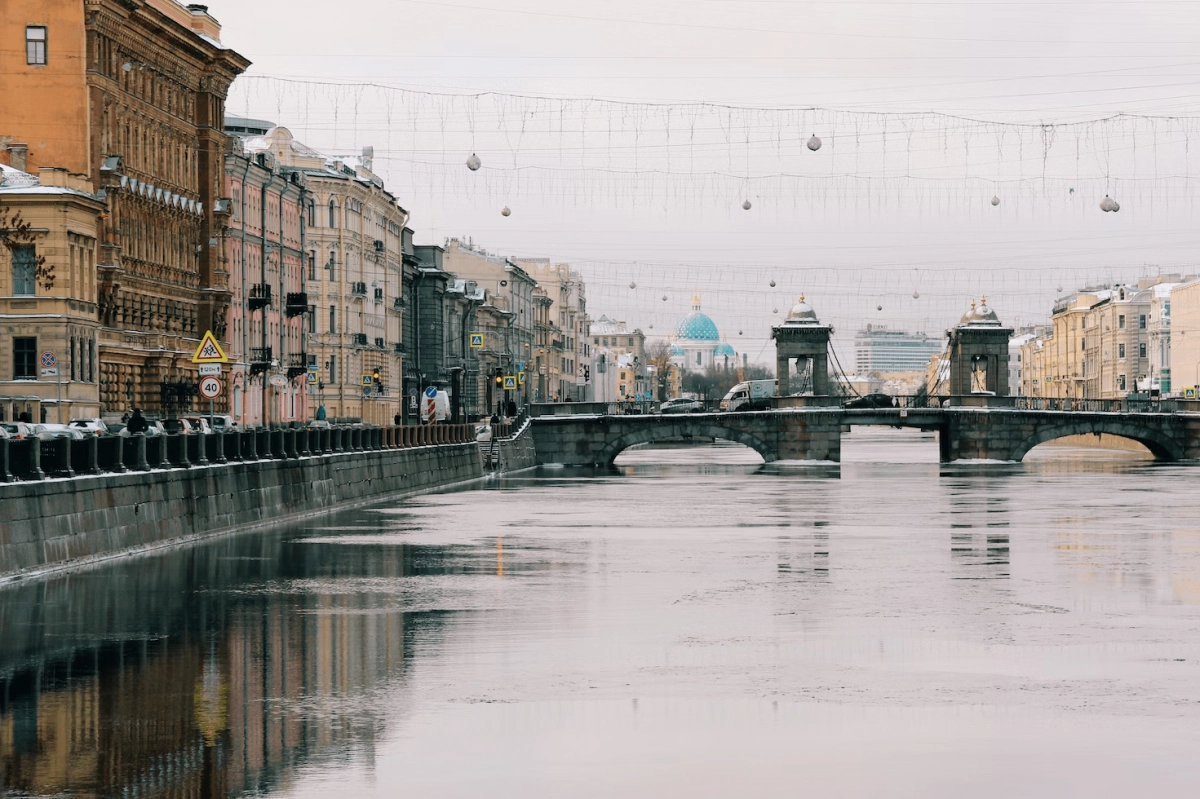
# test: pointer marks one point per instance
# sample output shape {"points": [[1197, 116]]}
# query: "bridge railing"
{"points": [[1126, 405]]}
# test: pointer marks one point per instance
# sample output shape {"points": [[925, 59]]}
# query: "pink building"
{"points": [[269, 312]]}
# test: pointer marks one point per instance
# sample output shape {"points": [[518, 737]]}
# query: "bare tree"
{"points": [[658, 355], [15, 233]]}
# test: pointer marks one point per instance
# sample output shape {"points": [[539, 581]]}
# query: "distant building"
{"points": [[879, 350], [620, 361], [698, 344]]}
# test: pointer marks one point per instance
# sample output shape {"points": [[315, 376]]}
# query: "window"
{"points": [[25, 358], [35, 45], [631, 342], [332, 213], [1120, 350], [332, 267], [1121, 321], [332, 318], [312, 322], [1120, 382], [312, 213], [698, 358], [1141, 350], [1142, 321], [24, 270], [333, 373], [312, 266]]}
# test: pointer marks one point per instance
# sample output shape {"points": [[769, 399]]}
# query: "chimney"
{"points": [[17, 155]]}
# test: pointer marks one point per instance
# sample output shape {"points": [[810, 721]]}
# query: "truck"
{"points": [[750, 395]]}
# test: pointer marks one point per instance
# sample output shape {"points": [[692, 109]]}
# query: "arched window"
{"points": [[332, 212], [312, 213]]}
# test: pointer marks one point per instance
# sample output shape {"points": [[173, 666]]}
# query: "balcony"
{"points": [[378, 295], [359, 339], [260, 359], [398, 348], [297, 303], [260, 296], [379, 343], [297, 364], [358, 289], [398, 302]]}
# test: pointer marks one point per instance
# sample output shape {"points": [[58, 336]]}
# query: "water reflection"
{"points": [[690, 623]]}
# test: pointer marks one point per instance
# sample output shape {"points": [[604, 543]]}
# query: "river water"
{"points": [[693, 624]]}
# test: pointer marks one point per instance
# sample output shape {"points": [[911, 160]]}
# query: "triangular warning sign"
{"points": [[209, 350]]}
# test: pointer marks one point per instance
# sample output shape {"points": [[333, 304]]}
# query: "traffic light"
{"points": [[587, 373]]}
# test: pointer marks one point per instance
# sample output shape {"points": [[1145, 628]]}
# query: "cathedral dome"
{"points": [[696, 326], [802, 314]]}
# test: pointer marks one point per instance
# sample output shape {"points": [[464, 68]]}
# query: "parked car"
{"points": [[117, 429], [17, 430], [749, 395], [199, 424], [870, 401], [46, 432], [681, 405], [177, 426], [221, 422], [318, 424], [95, 427]]}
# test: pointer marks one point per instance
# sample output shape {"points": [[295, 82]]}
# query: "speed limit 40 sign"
{"points": [[210, 387]]}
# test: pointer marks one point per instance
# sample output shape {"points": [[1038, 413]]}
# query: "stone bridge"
{"points": [[1003, 434]]}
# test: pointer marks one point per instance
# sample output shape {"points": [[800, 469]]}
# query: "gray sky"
{"points": [[649, 190]]}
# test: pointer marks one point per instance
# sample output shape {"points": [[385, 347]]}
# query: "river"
{"points": [[693, 624]]}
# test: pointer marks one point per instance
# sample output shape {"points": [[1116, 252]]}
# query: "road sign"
{"points": [[367, 381], [279, 381], [476, 341], [520, 378], [312, 378], [209, 350], [431, 392], [48, 360], [412, 392], [210, 370], [510, 382], [210, 387]]}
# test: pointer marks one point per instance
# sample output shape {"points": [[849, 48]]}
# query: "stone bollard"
{"points": [[156, 451], [85, 456], [140, 461], [177, 450], [249, 445], [301, 442], [262, 443], [289, 444], [110, 456], [217, 446], [26, 459], [201, 456], [5, 475]]}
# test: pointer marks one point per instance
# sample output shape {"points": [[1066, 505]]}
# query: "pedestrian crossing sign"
{"points": [[521, 378], [510, 382], [476, 341], [209, 350]]}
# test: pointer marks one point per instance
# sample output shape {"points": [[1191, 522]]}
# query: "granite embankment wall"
{"points": [[49, 525]]}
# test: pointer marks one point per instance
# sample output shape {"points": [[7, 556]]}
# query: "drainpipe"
{"points": [[245, 310], [263, 264]]}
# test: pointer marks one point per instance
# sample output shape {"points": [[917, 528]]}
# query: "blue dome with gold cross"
{"points": [[696, 326]]}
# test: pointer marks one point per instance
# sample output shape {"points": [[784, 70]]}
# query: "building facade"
{"points": [[879, 350], [129, 94], [48, 297], [354, 254], [266, 258]]}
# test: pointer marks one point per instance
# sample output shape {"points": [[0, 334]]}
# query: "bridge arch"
{"points": [[1162, 446], [658, 432]]}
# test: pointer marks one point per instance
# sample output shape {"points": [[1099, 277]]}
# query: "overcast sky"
{"points": [[891, 206]]}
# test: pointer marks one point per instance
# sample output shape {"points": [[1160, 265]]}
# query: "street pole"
{"points": [[58, 371]]}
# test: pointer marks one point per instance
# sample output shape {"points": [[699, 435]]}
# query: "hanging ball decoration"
{"points": [[1107, 204], [1059, 289], [995, 200], [664, 298], [879, 307], [774, 310], [772, 284], [739, 332], [1116, 206], [746, 205], [814, 143], [1071, 190], [505, 211], [916, 295], [473, 163], [651, 327], [632, 285]]}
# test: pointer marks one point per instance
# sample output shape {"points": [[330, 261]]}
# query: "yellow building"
{"points": [[48, 297], [1185, 338]]}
